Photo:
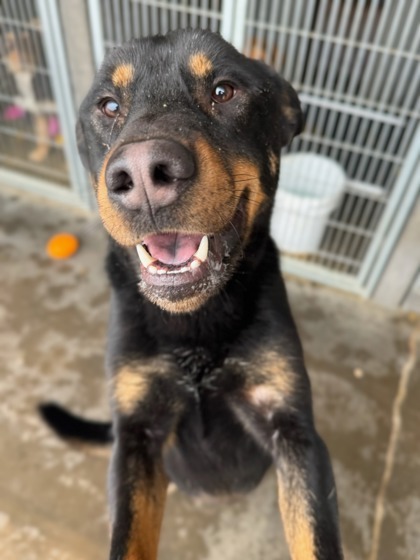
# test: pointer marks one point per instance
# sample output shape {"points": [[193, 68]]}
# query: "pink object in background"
{"points": [[13, 113], [53, 127]]}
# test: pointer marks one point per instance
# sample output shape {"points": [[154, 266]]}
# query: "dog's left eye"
{"points": [[110, 108], [222, 93]]}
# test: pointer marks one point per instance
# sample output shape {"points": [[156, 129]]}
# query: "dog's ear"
{"points": [[284, 102], [291, 115], [82, 145]]}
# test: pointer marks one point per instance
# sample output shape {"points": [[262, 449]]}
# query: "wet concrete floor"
{"points": [[365, 373]]}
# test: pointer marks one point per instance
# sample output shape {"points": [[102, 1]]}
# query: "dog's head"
{"points": [[181, 135]]}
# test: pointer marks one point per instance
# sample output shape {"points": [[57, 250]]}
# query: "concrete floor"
{"points": [[366, 385]]}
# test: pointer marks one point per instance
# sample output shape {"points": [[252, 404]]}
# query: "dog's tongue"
{"points": [[172, 248]]}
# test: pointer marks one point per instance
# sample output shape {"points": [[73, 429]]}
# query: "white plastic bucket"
{"points": [[310, 189]]}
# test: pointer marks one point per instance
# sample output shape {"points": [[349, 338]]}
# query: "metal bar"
{"points": [[214, 23], [304, 42], [26, 135], [61, 84], [154, 17], [350, 229], [351, 99], [370, 114], [194, 17], [281, 38], [95, 25], [369, 271], [349, 147], [367, 211], [270, 42], [367, 190], [163, 19], [258, 43], [373, 214], [203, 23], [248, 34], [338, 40], [144, 20], [396, 144], [174, 17], [117, 23], [371, 137], [299, 9], [335, 239], [387, 134], [394, 231], [184, 10], [34, 168], [127, 20], [46, 189], [237, 37], [320, 274], [311, 65]]}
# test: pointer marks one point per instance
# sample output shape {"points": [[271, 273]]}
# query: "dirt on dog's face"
{"points": [[181, 135]]}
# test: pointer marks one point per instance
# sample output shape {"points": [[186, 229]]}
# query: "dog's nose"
{"points": [[152, 172]]}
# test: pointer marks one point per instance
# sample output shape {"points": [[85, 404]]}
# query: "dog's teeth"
{"points": [[202, 251], [144, 256], [152, 269], [195, 264]]}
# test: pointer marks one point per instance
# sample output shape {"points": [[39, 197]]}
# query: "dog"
{"points": [[181, 135]]}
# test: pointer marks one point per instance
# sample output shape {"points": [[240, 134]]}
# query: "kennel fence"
{"points": [[355, 64], [37, 112]]}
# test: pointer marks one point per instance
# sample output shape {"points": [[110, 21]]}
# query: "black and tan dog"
{"points": [[181, 135]]}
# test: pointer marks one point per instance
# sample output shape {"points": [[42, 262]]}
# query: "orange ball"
{"points": [[62, 246]]}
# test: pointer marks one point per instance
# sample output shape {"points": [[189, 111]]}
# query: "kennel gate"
{"points": [[37, 112], [355, 64]]}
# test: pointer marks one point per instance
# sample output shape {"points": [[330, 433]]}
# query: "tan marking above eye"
{"points": [[200, 65], [123, 75]]}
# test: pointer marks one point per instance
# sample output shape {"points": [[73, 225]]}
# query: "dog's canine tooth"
{"points": [[144, 256], [195, 264], [203, 250]]}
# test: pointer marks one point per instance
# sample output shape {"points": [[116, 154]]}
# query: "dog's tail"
{"points": [[68, 426]]}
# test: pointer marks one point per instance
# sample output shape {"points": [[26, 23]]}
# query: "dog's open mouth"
{"points": [[176, 266], [173, 253], [182, 262]]}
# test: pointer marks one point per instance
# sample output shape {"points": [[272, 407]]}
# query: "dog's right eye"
{"points": [[110, 108]]}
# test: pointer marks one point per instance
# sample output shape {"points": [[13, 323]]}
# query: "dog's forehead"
{"points": [[196, 53]]}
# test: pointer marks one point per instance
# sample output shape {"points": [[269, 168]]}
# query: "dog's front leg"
{"points": [[275, 407], [138, 492], [307, 496], [147, 405]]}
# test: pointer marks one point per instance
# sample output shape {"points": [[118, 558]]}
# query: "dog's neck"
{"points": [[218, 322]]}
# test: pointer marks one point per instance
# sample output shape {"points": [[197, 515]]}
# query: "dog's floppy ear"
{"points": [[284, 102], [82, 145], [290, 110]]}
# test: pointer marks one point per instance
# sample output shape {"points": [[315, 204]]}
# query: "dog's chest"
{"points": [[199, 370]]}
